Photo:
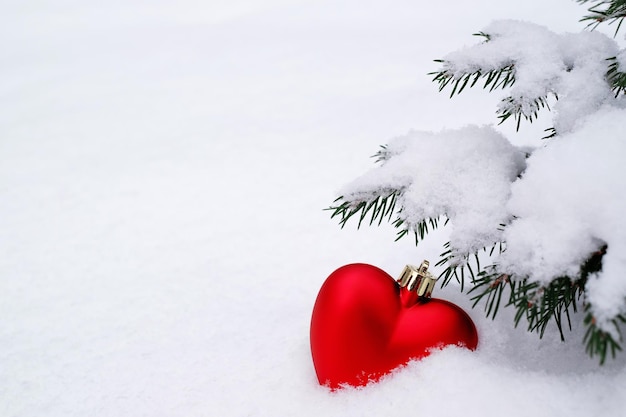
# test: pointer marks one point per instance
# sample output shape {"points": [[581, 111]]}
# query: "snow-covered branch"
{"points": [[571, 67], [557, 211]]}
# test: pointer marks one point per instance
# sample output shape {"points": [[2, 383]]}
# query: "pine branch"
{"points": [[454, 269], [615, 77], [484, 35], [502, 77], [550, 133], [492, 286], [540, 305], [598, 342], [458, 264], [379, 208], [382, 155], [518, 107], [602, 11], [522, 108], [494, 78]]}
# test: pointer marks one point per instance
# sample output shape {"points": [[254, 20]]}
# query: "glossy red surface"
{"points": [[364, 325]]}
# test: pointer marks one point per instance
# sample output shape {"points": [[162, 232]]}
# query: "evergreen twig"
{"points": [[517, 107], [541, 304], [382, 155], [379, 208], [602, 11], [494, 78], [615, 77], [599, 342], [550, 133], [458, 264], [538, 304], [522, 107]]}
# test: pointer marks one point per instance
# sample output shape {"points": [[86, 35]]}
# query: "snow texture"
{"points": [[464, 175], [163, 170], [569, 204]]}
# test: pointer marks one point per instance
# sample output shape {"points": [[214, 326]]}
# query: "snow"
{"points": [[558, 226], [163, 169], [463, 174]]}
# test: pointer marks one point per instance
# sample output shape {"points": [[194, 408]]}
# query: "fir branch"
{"points": [[382, 155], [540, 305], [379, 208], [599, 342], [602, 11], [550, 133], [522, 108], [500, 78], [458, 264], [484, 35], [615, 77], [492, 286], [494, 78]]}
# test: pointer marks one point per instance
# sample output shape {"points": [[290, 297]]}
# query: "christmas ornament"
{"points": [[365, 323]]}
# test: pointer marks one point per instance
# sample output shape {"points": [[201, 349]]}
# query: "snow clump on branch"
{"points": [[570, 66]]}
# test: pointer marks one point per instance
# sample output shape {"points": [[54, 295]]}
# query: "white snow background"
{"points": [[163, 170]]}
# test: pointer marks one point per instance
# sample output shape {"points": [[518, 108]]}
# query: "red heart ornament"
{"points": [[364, 325]]}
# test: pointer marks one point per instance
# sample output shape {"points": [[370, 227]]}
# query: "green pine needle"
{"points": [[379, 208], [602, 11], [615, 77]]}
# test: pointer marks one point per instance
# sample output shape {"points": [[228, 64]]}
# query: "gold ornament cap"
{"points": [[418, 279]]}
